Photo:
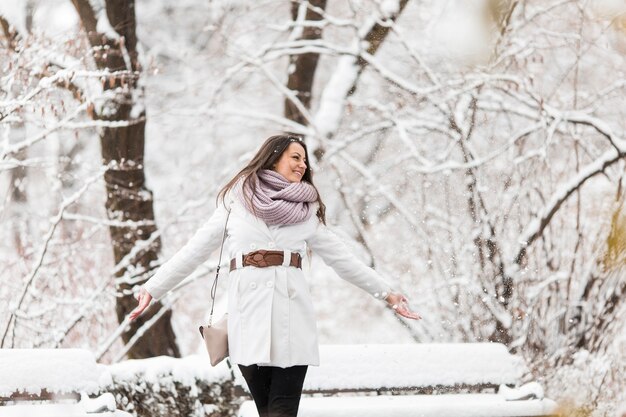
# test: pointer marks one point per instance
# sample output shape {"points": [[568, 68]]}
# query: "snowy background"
{"points": [[478, 164]]}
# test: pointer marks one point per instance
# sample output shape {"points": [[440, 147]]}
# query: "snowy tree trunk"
{"points": [[344, 81], [302, 67], [128, 199]]}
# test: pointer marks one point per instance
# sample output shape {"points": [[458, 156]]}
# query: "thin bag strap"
{"points": [[217, 271]]}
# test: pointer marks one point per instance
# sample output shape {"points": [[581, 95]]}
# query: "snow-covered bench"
{"points": [[54, 382], [464, 379]]}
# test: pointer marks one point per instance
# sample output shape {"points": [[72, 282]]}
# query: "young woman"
{"points": [[276, 213]]}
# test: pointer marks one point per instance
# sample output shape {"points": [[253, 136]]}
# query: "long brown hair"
{"points": [[268, 154]]}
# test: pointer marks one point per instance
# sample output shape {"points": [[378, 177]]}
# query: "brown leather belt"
{"points": [[262, 258]]}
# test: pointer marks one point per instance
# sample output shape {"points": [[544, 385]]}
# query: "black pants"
{"points": [[276, 391]]}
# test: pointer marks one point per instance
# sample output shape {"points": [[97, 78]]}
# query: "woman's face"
{"points": [[292, 163]]}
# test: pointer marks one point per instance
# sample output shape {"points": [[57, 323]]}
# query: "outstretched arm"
{"points": [[336, 254], [184, 262]]}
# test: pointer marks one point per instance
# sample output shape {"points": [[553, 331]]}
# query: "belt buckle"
{"points": [[256, 258]]}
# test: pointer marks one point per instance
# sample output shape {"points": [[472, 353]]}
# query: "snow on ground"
{"points": [[417, 365], [461, 405], [75, 370], [55, 410], [185, 370], [342, 367], [56, 370], [103, 406]]}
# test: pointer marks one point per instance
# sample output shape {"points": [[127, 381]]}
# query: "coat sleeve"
{"points": [[337, 255], [190, 256]]}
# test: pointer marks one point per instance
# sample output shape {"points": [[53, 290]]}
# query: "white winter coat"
{"points": [[270, 315]]}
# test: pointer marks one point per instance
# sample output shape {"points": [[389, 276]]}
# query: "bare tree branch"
{"points": [[538, 224]]}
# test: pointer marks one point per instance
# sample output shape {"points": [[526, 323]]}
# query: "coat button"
{"points": [[271, 245], [269, 284], [252, 246], [252, 285]]}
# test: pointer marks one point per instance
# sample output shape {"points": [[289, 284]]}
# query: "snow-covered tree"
{"points": [[473, 150], [107, 95]]}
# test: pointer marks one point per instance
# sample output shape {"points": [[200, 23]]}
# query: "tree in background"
{"points": [[474, 149], [122, 140], [302, 67], [111, 95]]}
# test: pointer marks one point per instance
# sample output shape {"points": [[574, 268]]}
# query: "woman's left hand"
{"points": [[398, 302]]}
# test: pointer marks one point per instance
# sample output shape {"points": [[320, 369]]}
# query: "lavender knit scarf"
{"points": [[278, 201]]}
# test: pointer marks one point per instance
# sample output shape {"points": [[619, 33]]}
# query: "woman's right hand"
{"points": [[144, 299]]}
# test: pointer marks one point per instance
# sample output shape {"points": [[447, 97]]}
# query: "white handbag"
{"points": [[215, 335]]}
